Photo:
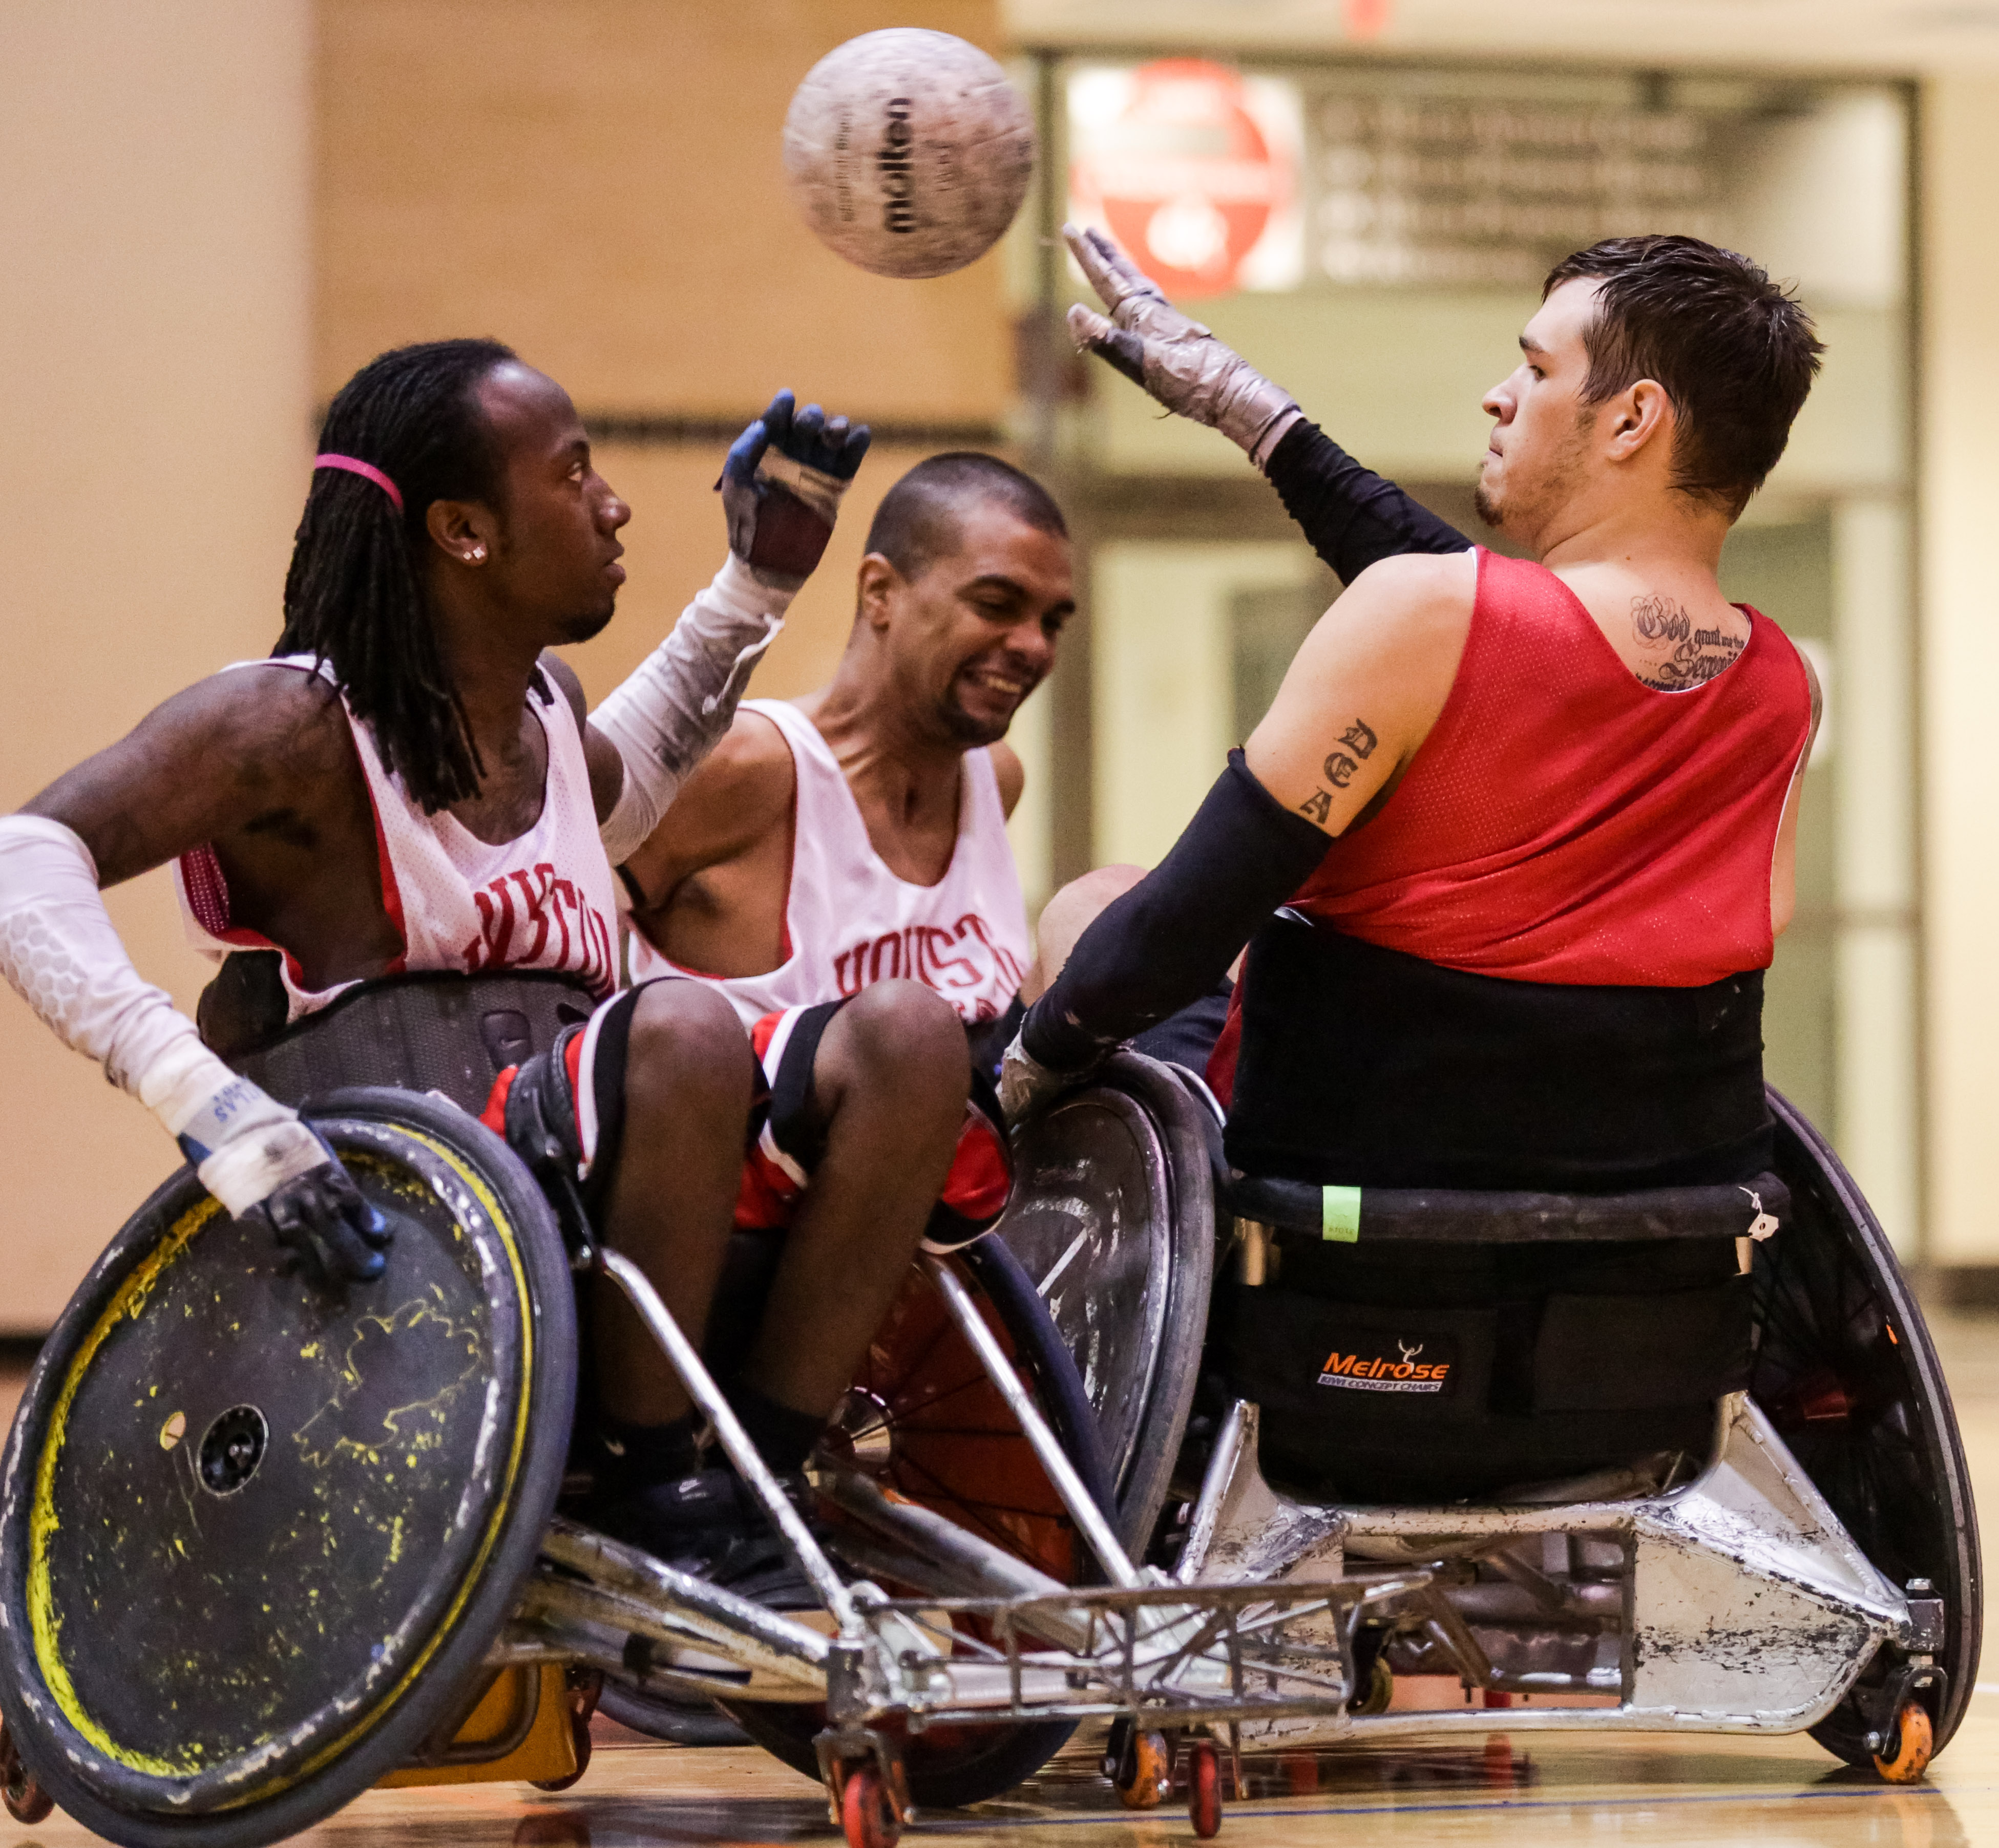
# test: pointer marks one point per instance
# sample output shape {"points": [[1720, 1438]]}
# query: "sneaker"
{"points": [[697, 1522]]}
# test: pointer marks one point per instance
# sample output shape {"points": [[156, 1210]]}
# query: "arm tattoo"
{"points": [[1697, 655], [1359, 738]]}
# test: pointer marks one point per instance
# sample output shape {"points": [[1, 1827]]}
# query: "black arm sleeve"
{"points": [[1351, 515], [1167, 941]]}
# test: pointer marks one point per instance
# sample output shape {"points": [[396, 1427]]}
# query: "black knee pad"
{"points": [[541, 1112]]}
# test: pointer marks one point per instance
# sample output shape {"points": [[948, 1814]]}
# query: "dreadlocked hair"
{"points": [[353, 596]]}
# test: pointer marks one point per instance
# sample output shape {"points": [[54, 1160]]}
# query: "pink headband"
{"points": [[353, 466]]}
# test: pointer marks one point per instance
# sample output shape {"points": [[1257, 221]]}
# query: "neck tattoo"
{"points": [[1692, 656]]}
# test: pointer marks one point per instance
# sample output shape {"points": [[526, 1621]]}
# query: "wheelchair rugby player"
{"points": [[1504, 863], [398, 837]]}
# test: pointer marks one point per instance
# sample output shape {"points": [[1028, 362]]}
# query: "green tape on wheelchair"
{"points": [[1339, 1214]]}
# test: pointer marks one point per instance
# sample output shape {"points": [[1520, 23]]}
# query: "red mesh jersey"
{"points": [[1564, 823]]}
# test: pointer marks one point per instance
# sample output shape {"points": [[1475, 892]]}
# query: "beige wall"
{"points": [[153, 189], [1960, 658], [599, 186]]}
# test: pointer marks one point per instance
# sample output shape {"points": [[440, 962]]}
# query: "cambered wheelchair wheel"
{"points": [[923, 1414], [1113, 1217], [259, 1534], [1845, 1369]]}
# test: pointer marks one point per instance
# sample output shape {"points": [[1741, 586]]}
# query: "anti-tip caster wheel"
{"points": [[581, 1691], [867, 1812], [26, 1801], [1204, 1790], [1910, 1746], [1140, 1766]]}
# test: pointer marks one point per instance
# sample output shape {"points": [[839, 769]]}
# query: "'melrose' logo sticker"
{"points": [[1364, 1371]]}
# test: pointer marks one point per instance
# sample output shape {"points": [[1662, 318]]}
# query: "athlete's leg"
{"points": [[889, 1080], [1066, 916], [689, 1079]]}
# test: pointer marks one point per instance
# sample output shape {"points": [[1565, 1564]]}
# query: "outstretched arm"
{"points": [[1352, 516], [216, 758]]}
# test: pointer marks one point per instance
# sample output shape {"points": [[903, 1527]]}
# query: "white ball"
{"points": [[908, 151]]}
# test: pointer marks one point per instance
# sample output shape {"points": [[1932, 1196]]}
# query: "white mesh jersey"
{"points": [[849, 921], [544, 900]]}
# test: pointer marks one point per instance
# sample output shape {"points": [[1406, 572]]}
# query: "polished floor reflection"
{"points": [[1523, 1789]]}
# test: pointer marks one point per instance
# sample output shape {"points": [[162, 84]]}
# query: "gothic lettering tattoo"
{"points": [[1317, 806], [1339, 769], [1696, 656], [1359, 738]]}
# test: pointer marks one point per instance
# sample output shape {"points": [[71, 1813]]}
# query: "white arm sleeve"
{"points": [[61, 953], [681, 698]]}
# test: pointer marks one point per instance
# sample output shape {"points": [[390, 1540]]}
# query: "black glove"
{"points": [[782, 488], [330, 1230]]}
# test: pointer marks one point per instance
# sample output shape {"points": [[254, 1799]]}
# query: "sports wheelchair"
{"points": [[263, 1545], [1807, 1560]]}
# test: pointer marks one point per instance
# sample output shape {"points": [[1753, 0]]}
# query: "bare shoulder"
{"points": [[1413, 589], [742, 791], [1009, 772], [214, 757], [1409, 614], [562, 677]]}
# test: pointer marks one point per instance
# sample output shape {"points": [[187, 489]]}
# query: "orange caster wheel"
{"points": [[1912, 1744], [1204, 1790], [581, 1693], [1142, 1776], [27, 1801], [867, 1813]]}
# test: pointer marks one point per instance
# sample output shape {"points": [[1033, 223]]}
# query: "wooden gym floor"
{"points": [[1534, 1789]]}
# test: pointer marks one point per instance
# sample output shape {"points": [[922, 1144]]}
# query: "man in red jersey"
{"points": [[1510, 851]]}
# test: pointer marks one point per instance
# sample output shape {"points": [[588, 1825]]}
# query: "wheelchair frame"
{"points": [[1739, 1602], [1735, 1602]]}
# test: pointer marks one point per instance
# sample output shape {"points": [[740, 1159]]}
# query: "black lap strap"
{"points": [[1380, 1215]]}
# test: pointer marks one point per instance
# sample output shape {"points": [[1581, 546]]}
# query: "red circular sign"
{"points": [[1182, 176]]}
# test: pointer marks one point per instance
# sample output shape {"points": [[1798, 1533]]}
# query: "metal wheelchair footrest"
{"points": [[1158, 1651]]}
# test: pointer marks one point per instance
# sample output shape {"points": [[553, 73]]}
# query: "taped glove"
{"points": [[1027, 1087], [782, 488], [321, 1219], [263, 1162], [1174, 357]]}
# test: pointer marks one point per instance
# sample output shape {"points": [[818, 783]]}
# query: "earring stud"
{"points": [[476, 555]]}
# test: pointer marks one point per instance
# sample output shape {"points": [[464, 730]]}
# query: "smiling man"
{"points": [[856, 836]]}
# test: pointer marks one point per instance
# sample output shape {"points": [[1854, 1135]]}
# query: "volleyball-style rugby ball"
{"points": [[908, 151]]}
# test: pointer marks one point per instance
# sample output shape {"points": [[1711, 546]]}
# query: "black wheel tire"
{"points": [[949, 1767], [1112, 1218], [469, 1220], [678, 1723], [1846, 1371]]}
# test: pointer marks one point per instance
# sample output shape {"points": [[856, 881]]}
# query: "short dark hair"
{"points": [[353, 596], [1734, 351], [916, 523]]}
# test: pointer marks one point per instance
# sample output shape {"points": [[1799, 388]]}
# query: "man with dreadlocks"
{"points": [[411, 784]]}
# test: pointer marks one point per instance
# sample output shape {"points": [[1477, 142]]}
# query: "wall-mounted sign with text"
{"points": [[1194, 168]]}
